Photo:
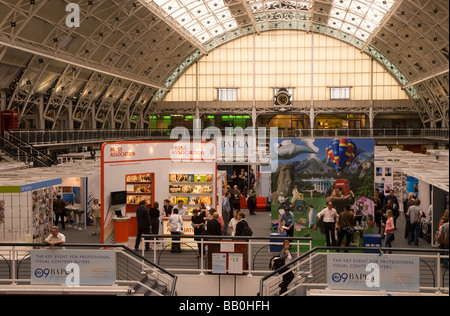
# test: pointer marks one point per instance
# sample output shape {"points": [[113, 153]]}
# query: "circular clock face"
{"points": [[283, 99]]}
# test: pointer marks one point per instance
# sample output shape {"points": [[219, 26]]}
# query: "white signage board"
{"points": [[73, 267], [373, 272]]}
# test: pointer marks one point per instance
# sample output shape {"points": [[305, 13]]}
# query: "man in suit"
{"points": [[241, 224], [213, 227], [143, 223]]}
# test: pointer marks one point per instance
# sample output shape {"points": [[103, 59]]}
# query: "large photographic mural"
{"points": [[308, 173]]}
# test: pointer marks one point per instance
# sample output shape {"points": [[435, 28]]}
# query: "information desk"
{"points": [[188, 231]]}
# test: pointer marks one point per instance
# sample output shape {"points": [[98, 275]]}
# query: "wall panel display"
{"points": [[312, 172]]}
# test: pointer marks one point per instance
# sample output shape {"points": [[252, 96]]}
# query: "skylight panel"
{"points": [[204, 19], [360, 17]]}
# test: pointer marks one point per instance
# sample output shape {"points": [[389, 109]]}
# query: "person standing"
{"points": [[214, 227], [415, 215], [96, 214], [233, 223], [154, 218], [167, 208], [181, 208], [346, 226], [236, 198], [143, 223], [288, 219], [226, 210], [329, 215], [392, 197], [251, 178], [251, 200], [389, 229], [59, 207], [242, 225], [176, 230], [286, 258], [198, 223]]}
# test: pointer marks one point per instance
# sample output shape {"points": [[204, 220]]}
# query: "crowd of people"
{"points": [[204, 221]]}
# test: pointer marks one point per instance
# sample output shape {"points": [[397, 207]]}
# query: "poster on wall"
{"points": [[384, 178], [308, 173], [42, 212]]}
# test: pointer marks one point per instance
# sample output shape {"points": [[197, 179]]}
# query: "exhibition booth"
{"points": [[154, 171], [424, 175], [26, 207], [77, 183]]}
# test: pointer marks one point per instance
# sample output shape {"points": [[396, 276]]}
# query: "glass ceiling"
{"points": [[359, 18], [207, 19], [204, 19]]}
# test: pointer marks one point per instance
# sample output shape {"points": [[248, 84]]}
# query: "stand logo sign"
{"points": [[72, 267], [373, 272]]}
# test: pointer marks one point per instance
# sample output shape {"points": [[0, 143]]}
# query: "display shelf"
{"points": [[139, 187]]}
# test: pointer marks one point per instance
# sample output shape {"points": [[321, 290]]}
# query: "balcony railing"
{"points": [[58, 137]]}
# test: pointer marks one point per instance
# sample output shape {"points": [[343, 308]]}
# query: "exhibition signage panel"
{"points": [[372, 272], [73, 267]]}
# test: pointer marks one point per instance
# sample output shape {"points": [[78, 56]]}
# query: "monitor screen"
{"points": [[119, 198]]}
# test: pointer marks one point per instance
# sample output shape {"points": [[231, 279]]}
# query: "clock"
{"points": [[282, 97]]}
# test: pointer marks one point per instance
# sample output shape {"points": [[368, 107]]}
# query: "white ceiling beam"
{"points": [[250, 15], [166, 18], [385, 20], [429, 75], [36, 51]]}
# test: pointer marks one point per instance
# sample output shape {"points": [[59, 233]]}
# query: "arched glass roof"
{"points": [[203, 19], [206, 19]]}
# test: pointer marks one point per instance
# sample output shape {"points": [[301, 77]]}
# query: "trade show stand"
{"points": [[26, 208], [155, 171]]}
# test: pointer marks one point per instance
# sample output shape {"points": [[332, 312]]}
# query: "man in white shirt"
{"points": [[181, 208], [55, 238], [329, 222]]}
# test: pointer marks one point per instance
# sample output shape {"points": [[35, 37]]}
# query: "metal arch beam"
{"points": [[385, 20], [35, 51], [250, 15], [173, 24], [429, 75]]}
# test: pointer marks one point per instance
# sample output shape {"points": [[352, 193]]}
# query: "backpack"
{"points": [[275, 263], [247, 231]]}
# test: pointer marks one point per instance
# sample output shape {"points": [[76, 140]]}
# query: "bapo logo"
{"points": [[71, 272], [372, 279]]}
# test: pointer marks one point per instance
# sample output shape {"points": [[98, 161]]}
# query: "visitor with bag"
{"points": [[176, 230]]}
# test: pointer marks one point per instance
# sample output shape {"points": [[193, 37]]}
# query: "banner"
{"points": [[373, 272], [73, 267]]}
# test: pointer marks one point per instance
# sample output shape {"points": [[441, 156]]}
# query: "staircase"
{"points": [[22, 151], [149, 287]]}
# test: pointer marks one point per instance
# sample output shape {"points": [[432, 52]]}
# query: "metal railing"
{"points": [[310, 270], [257, 253], [132, 268], [54, 137]]}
